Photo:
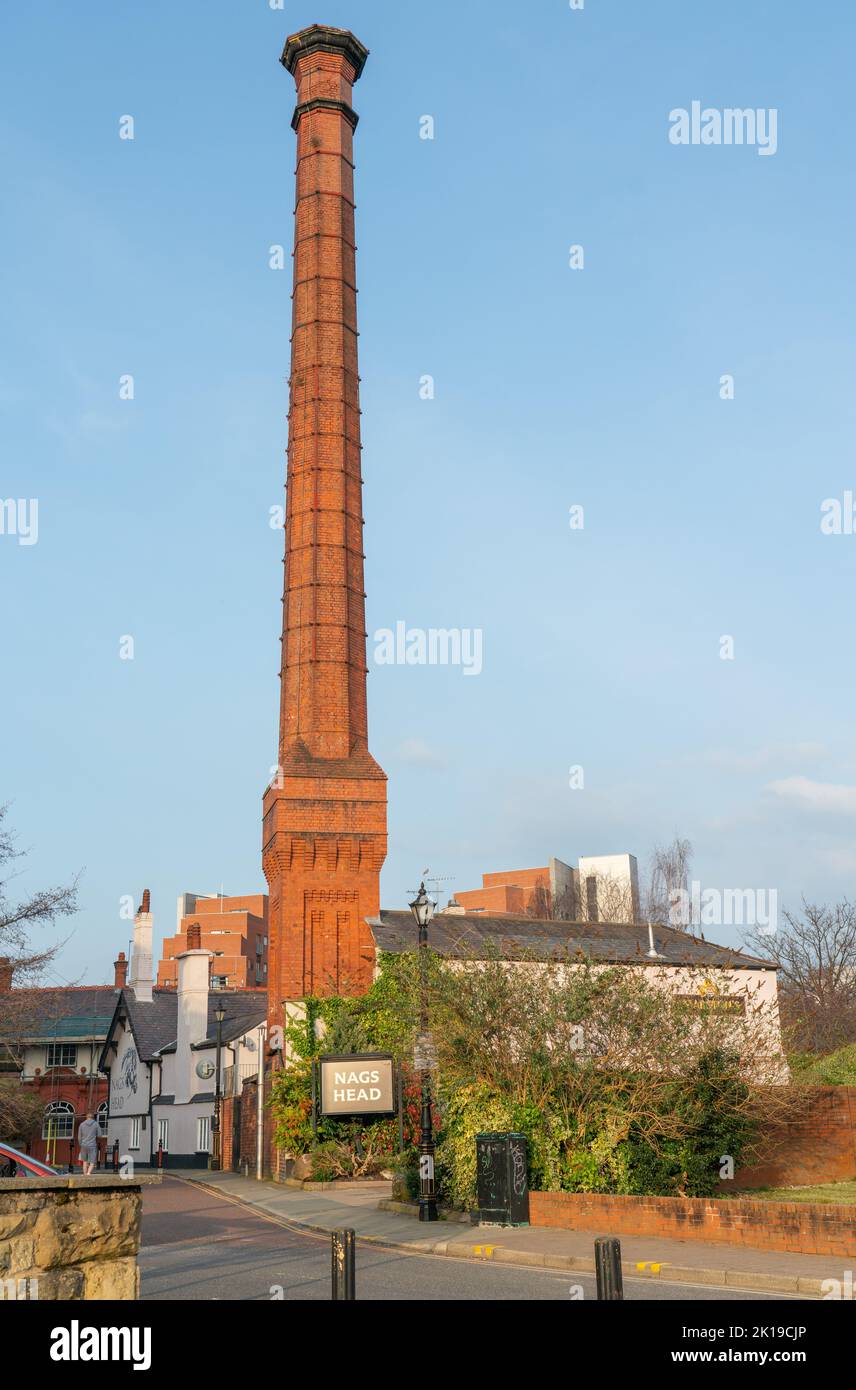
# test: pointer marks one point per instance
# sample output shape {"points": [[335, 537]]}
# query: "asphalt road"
{"points": [[200, 1246]]}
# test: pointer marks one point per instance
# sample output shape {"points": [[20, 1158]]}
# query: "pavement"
{"points": [[367, 1209]]}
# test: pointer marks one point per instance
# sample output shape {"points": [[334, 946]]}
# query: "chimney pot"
{"points": [[194, 937]]}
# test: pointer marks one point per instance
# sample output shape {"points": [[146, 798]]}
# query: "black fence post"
{"points": [[607, 1260], [115, 1155], [343, 1266]]}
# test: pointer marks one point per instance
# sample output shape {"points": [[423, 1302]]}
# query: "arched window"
{"points": [[101, 1117], [58, 1121]]}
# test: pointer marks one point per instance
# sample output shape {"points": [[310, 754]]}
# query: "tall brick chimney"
{"points": [[324, 829]]}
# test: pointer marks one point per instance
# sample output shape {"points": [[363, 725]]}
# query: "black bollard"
{"points": [[607, 1259], [343, 1266]]}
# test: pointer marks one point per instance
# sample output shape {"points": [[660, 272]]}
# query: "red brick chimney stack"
{"points": [[324, 832], [194, 937], [7, 970], [120, 968]]}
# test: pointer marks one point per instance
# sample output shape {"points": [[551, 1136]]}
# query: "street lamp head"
{"points": [[422, 907], [219, 1011]]}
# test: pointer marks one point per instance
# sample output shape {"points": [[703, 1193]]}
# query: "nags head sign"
{"points": [[361, 1084]]}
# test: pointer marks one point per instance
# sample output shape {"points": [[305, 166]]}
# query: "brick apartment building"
{"points": [[602, 888], [234, 930]]}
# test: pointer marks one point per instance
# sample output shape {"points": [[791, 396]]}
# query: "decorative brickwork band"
{"points": [[324, 828], [326, 104]]}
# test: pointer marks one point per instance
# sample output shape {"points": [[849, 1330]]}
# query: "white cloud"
{"points": [[816, 796]]}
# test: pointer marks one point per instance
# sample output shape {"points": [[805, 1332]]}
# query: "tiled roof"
{"points": [[67, 1012], [155, 1024], [470, 936]]}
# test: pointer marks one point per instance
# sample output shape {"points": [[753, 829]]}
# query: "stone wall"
{"points": [[806, 1228], [71, 1237]]}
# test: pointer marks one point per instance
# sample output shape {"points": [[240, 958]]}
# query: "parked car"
{"points": [[13, 1164]]}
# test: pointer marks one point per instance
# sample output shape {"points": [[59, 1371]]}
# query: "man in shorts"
{"points": [[87, 1137]]}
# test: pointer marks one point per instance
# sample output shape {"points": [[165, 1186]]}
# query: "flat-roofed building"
{"points": [[234, 930]]}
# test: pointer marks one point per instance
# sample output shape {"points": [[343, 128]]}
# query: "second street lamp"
{"points": [[219, 1014], [423, 910]]}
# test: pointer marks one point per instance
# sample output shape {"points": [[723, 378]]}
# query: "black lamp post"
{"points": [[219, 1014], [423, 910]]}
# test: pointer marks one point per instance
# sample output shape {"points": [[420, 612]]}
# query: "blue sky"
{"points": [[554, 388]]}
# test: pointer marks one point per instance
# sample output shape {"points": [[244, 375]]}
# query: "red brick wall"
{"points": [[821, 1147], [240, 1112], [509, 890], [502, 898], [802, 1227]]}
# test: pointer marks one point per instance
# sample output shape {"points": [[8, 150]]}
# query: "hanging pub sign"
{"points": [[357, 1084]]}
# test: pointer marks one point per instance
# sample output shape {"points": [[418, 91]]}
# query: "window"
{"points": [[203, 1129], [62, 1055], [101, 1117], [135, 1132], [163, 1135], [58, 1120], [219, 981]]}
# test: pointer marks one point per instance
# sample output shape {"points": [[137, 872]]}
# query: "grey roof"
{"points": [[155, 1026], [68, 1013], [470, 936]]}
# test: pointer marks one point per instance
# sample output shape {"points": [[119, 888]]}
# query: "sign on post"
{"points": [[356, 1085]]}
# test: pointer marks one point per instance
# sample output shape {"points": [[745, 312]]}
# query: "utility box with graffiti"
{"points": [[503, 1187]]}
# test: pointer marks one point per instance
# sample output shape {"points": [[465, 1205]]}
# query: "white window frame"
{"points": [[101, 1117], [135, 1132], [163, 1136], [55, 1048], [203, 1134], [58, 1120]]}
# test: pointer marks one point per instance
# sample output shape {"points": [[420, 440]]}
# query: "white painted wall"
{"points": [[623, 870]]}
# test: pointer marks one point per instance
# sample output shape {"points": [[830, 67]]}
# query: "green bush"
{"points": [[649, 1105]]}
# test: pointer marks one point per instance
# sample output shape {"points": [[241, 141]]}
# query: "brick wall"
{"points": [[802, 1227], [239, 1134], [821, 1147]]}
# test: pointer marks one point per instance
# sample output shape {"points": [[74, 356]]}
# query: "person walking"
{"points": [[87, 1137]]}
